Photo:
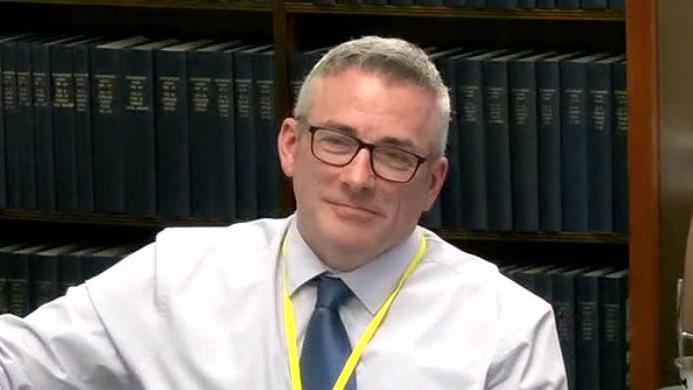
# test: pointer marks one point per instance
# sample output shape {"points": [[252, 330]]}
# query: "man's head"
{"points": [[365, 148]]}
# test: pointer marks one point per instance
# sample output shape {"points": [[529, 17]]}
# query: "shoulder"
{"points": [[472, 276]]}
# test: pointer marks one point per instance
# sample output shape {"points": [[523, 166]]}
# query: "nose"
{"points": [[359, 175]]}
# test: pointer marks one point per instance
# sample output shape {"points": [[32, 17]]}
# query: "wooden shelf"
{"points": [[447, 12], [565, 237], [161, 4], [107, 219]]}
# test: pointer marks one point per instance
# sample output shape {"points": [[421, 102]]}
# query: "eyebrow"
{"points": [[405, 144]]}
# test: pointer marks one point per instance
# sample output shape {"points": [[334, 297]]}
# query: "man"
{"points": [[348, 290]]}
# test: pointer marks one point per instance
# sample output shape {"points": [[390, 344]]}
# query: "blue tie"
{"points": [[326, 345]]}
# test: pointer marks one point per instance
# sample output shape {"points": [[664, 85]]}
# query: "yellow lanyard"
{"points": [[350, 365]]}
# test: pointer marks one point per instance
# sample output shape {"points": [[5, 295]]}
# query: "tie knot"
{"points": [[332, 292]]}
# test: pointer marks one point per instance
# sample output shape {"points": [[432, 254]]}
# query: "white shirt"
{"points": [[201, 308]]}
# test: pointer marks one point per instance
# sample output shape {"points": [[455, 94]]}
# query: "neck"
{"points": [[335, 257]]}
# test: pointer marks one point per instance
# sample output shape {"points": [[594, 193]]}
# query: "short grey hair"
{"points": [[392, 58]]}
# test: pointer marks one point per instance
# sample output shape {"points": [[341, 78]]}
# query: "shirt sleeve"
{"points": [[69, 344], [531, 357]]}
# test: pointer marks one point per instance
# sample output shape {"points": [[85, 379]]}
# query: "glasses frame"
{"points": [[363, 145]]}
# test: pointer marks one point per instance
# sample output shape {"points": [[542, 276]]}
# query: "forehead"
{"points": [[375, 106]]}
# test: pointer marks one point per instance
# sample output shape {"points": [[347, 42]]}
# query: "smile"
{"points": [[354, 208]]}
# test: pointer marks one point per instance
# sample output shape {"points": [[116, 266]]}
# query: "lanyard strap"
{"points": [[368, 333]]}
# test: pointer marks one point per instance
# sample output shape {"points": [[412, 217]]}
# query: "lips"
{"points": [[357, 208]]}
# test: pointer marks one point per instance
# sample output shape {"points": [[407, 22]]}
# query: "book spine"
{"points": [[27, 151], [549, 143], [568, 4], [172, 136], [574, 146], [498, 183], [564, 310], [12, 125], [546, 3], [225, 203], [619, 5], [524, 145], [3, 168], [64, 136], [470, 114], [587, 332], [268, 172], [137, 109], [451, 195], [107, 133], [18, 284], [502, 4], [614, 361], [69, 272], [620, 143], [476, 3], [594, 4], [600, 152], [43, 127], [246, 157], [43, 277], [433, 218], [403, 3], [83, 128], [429, 3], [454, 3], [526, 4]]}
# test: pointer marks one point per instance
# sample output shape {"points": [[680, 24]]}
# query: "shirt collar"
{"points": [[370, 283]]}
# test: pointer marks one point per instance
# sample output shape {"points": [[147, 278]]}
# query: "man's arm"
{"points": [[78, 341], [532, 360]]}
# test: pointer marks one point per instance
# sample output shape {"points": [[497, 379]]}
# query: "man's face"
{"points": [[350, 208]]}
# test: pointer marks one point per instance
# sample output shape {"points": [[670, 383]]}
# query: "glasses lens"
{"points": [[394, 164], [333, 147]]}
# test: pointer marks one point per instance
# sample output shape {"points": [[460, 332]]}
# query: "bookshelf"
{"points": [[297, 26]]}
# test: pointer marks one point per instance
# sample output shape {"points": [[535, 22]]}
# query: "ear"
{"points": [[287, 144], [438, 173]]}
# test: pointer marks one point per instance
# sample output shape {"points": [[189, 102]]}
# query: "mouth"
{"points": [[356, 208]]}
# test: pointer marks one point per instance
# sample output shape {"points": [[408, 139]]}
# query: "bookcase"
{"points": [[652, 34]]}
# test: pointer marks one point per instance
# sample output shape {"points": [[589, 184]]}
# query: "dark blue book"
{"points": [[613, 290], [529, 277], [620, 144], [19, 278], [599, 144], [12, 122], [502, 4], [6, 76], [403, 3], [451, 193], [526, 4], [70, 267], [94, 263], [454, 3], [107, 126], [213, 135], [549, 137], [64, 126], [497, 142], [43, 122], [23, 129], [136, 83], [617, 5], [5, 252], [247, 155], [574, 144], [588, 329], [43, 271], [84, 157], [472, 138], [568, 4], [564, 310], [546, 3], [429, 3], [269, 182], [476, 3], [543, 283], [594, 4], [433, 217], [301, 65], [173, 129], [524, 142]]}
